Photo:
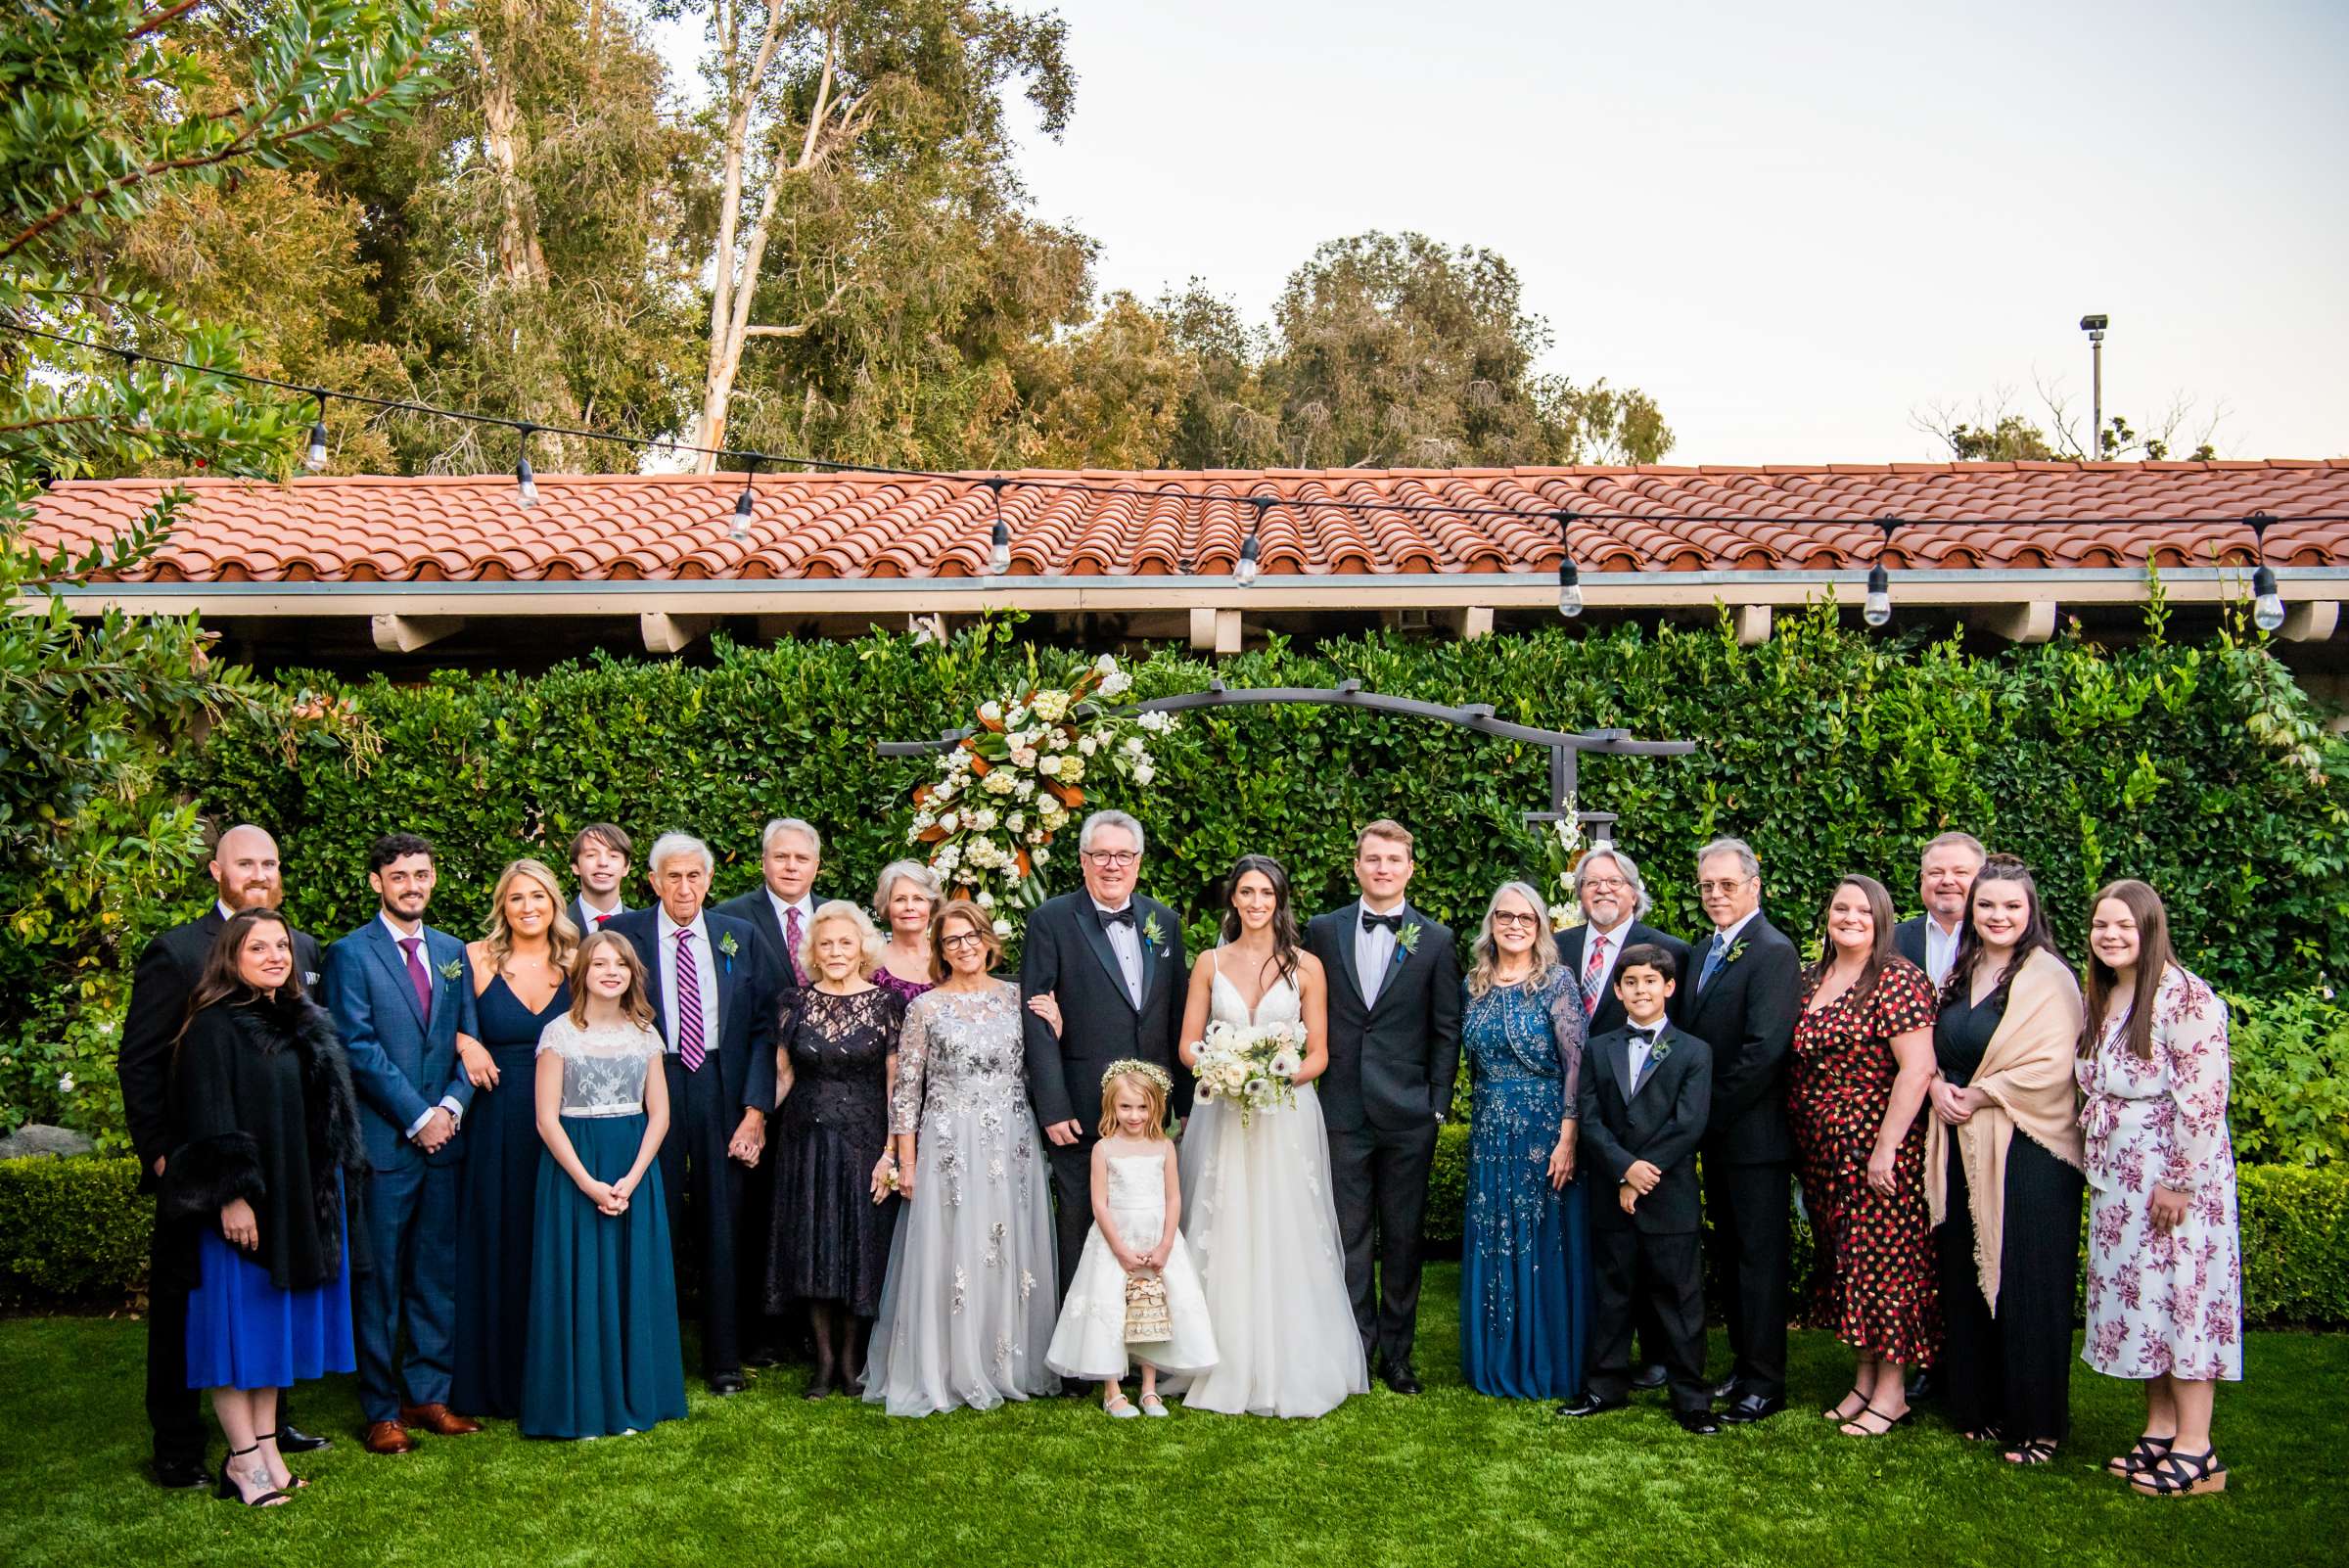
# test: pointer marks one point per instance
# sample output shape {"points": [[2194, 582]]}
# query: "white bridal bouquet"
{"points": [[1253, 1065]]}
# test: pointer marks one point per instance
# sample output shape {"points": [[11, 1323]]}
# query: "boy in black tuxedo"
{"points": [[1645, 1092]]}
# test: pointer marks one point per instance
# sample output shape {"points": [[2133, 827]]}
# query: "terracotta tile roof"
{"points": [[1650, 518]]}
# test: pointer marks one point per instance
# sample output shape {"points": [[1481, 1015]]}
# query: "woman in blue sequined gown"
{"points": [[1525, 1264]]}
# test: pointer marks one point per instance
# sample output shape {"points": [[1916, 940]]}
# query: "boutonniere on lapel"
{"points": [[1152, 935], [451, 969], [1736, 953], [729, 947], [1656, 1052], [1406, 941]]}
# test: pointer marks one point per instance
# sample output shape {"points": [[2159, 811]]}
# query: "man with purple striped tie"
{"points": [[715, 1001]]}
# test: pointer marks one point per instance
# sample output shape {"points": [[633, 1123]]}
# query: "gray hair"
{"points": [[1642, 903], [1744, 852], [791, 824], [1956, 841], [912, 871], [668, 846], [1487, 952], [1094, 823], [868, 936]]}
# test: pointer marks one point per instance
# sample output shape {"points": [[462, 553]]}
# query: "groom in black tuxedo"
{"points": [[1749, 985], [1113, 960], [1394, 1051]]}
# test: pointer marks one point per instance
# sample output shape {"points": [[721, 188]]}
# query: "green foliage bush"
{"points": [[2288, 1101], [72, 1230], [2295, 1239]]}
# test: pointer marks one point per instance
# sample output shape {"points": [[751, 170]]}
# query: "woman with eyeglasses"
{"points": [[1525, 1265], [967, 1313]]}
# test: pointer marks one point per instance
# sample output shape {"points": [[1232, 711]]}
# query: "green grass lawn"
{"points": [[1446, 1478]]}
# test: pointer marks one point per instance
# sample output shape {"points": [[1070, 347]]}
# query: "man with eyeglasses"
{"points": [[1614, 900], [1113, 960], [1748, 989]]}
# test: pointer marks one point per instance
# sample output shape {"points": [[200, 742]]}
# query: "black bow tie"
{"points": [[1649, 1036], [1393, 922], [1117, 917]]}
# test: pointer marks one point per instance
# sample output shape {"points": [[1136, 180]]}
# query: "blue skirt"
{"points": [[1525, 1260], [603, 1355], [245, 1334]]}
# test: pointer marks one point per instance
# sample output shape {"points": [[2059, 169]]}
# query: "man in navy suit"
{"points": [[714, 999], [400, 994]]}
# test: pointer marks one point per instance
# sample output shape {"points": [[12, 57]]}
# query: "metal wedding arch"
{"points": [[1565, 746]]}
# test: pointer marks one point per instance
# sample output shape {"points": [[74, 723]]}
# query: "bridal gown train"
{"points": [[1263, 1224]]}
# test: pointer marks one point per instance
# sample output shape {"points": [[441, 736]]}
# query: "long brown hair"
{"points": [[1879, 953], [2036, 935], [2153, 959], [221, 980], [1284, 913], [635, 1004]]}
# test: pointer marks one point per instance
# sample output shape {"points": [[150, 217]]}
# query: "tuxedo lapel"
{"points": [[1096, 936], [1341, 951], [1396, 960], [1144, 914], [395, 963], [654, 992]]}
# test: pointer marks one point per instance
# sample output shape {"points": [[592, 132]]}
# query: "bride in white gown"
{"points": [[1256, 1207]]}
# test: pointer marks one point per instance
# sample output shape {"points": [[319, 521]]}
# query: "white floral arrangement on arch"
{"points": [[1018, 778], [1566, 852]]}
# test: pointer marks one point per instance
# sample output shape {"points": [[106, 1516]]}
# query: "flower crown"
{"points": [[1139, 1068]]}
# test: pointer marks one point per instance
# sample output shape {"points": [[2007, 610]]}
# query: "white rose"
{"points": [[65, 1083], [1145, 774], [1025, 789], [987, 900], [1087, 745], [1002, 927], [1040, 856], [983, 820], [950, 822], [1106, 665], [1050, 766], [1016, 821], [1135, 746], [942, 793], [993, 712], [1024, 756]]}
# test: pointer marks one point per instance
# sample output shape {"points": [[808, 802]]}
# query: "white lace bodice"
{"points": [[604, 1067], [1137, 1182]]}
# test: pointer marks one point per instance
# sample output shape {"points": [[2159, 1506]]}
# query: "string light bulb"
{"points": [[745, 505], [999, 548], [2267, 605], [525, 483], [1878, 610], [316, 458], [1252, 548], [1570, 588]]}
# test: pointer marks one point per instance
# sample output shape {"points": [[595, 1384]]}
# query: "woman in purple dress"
{"points": [[906, 899]]}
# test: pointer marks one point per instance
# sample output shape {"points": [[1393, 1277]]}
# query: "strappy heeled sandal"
{"points": [[1867, 1411], [229, 1488], [2037, 1450], [1834, 1412], [2182, 1475], [2142, 1452], [297, 1483]]}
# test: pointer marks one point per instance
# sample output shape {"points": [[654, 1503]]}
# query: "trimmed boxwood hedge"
{"points": [[75, 1232]]}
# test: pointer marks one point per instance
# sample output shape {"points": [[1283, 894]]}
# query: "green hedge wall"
{"points": [[2204, 769], [75, 1232]]}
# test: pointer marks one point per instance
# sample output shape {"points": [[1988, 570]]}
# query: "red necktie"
{"points": [[1590, 973], [791, 944], [416, 975], [689, 1004]]}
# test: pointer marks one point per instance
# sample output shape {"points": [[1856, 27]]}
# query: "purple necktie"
{"points": [[416, 975], [689, 1004], [1598, 962], [791, 943]]}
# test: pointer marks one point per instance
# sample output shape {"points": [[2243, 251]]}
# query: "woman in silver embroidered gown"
{"points": [[967, 1313]]}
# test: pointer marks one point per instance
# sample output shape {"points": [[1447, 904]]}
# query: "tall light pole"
{"points": [[2094, 327]]}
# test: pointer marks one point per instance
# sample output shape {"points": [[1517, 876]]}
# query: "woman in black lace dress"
{"points": [[835, 1174]]}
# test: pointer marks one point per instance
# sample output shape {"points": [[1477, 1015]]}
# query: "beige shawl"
{"points": [[2027, 1074]]}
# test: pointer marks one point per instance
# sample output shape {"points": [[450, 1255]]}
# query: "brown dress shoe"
{"points": [[437, 1419], [387, 1437]]}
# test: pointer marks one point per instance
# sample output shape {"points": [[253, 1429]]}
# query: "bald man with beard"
{"points": [[245, 876]]}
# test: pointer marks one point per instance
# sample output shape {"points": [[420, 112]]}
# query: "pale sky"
{"points": [[1791, 224]]}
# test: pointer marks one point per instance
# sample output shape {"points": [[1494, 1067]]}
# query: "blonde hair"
{"points": [[868, 940], [1487, 952], [635, 1004], [1143, 1084], [497, 938]]}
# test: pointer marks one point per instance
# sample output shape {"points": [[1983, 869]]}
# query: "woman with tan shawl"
{"points": [[2003, 1170]]}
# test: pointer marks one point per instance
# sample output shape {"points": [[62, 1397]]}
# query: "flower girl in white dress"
{"points": [[1135, 1296]]}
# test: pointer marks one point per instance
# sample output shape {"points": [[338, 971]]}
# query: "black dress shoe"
{"points": [[1590, 1405], [1751, 1408], [1401, 1379], [181, 1474], [1921, 1386], [1651, 1376], [724, 1383], [1697, 1423], [1726, 1387], [764, 1354], [292, 1439]]}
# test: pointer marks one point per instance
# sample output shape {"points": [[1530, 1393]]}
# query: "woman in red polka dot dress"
{"points": [[1863, 1058]]}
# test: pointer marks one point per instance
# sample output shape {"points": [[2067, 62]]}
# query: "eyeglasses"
{"points": [[1511, 918], [1726, 885], [968, 939], [1604, 884], [1112, 859]]}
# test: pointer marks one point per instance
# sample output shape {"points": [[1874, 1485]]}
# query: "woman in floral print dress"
{"points": [[2164, 1263]]}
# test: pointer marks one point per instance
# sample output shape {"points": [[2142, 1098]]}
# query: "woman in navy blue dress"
{"points": [[519, 969], [262, 1095], [1525, 1265], [603, 1356]]}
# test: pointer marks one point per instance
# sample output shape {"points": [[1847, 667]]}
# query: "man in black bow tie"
{"points": [[1394, 1052], [1112, 959]]}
